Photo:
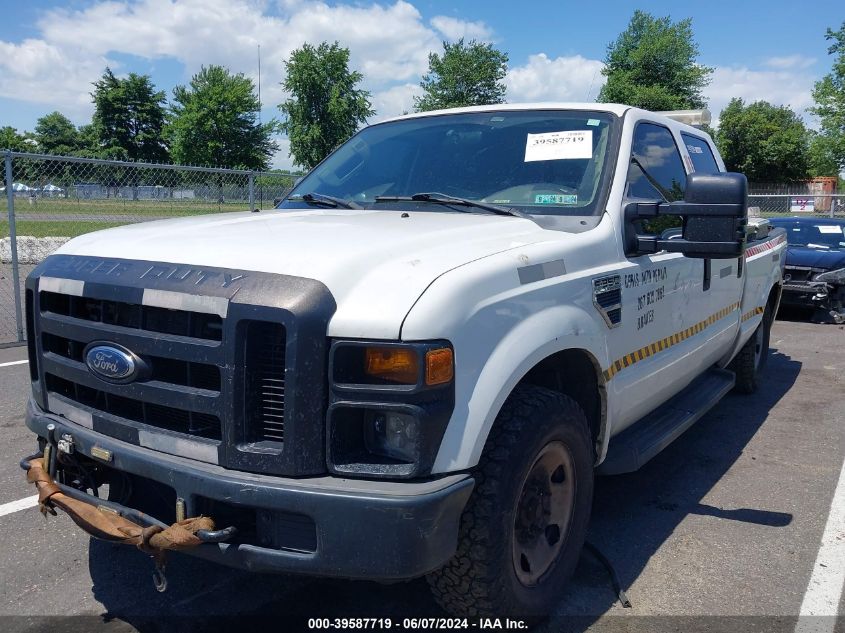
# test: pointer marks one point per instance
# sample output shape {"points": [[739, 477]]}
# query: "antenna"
{"points": [[259, 84], [592, 81]]}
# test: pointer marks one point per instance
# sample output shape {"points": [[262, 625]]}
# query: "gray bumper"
{"points": [[364, 529]]}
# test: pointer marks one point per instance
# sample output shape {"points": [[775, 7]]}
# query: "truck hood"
{"points": [[815, 257], [376, 264]]}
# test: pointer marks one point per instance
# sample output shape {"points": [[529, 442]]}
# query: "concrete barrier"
{"points": [[31, 250]]}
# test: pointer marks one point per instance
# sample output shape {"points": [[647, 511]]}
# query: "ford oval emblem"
{"points": [[111, 363]]}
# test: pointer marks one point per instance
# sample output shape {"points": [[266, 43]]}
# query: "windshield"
{"points": [[538, 162], [824, 236]]}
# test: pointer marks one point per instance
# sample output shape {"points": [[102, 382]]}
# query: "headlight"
{"points": [[418, 365], [832, 276], [392, 434], [389, 405]]}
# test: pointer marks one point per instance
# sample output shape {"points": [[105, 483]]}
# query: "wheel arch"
{"points": [[576, 373]]}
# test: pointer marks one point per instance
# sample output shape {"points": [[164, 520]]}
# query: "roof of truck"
{"points": [[615, 108], [618, 109]]}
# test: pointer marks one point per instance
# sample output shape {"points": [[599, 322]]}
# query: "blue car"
{"points": [[814, 276]]}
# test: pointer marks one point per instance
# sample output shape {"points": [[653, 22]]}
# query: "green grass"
{"points": [[170, 207], [58, 228]]}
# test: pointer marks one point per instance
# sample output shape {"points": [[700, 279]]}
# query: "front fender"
{"points": [[496, 346], [480, 397]]}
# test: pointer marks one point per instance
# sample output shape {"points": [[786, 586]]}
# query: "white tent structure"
{"points": [[50, 190]]}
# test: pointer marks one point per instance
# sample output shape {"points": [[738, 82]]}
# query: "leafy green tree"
{"points": [[823, 159], [11, 139], [89, 142], [765, 142], [214, 122], [325, 107], [829, 95], [129, 117], [465, 75], [56, 134], [653, 64]]}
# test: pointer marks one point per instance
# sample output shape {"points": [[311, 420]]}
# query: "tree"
{"points": [[765, 142], [652, 65], [129, 117], [466, 75], [829, 95], [325, 107], [11, 139], [214, 122], [55, 134]]}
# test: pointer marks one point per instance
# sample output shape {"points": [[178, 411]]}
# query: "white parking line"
{"points": [[825, 589], [20, 504], [14, 362]]}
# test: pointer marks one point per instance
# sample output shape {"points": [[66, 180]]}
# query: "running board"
{"points": [[644, 439]]}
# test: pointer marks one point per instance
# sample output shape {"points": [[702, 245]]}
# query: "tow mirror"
{"points": [[714, 213]]}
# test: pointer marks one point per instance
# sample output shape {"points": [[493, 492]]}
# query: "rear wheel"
{"points": [[751, 359], [523, 529]]}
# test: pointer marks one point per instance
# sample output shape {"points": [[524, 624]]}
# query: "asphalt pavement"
{"points": [[722, 531]]}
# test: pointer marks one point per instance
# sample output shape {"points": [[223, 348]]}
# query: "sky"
{"points": [[51, 52]]}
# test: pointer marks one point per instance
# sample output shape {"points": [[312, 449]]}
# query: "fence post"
{"points": [[252, 191], [13, 243]]}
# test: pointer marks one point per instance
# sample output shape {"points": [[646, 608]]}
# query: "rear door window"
{"points": [[703, 160]]}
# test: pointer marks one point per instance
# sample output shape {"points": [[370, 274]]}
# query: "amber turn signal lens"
{"points": [[392, 363], [439, 367]]}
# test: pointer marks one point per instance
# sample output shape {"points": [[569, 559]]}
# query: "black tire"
{"points": [[751, 359], [482, 578]]}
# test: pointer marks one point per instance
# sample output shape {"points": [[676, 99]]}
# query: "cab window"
{"points": [[656, 169], [701, 155]]}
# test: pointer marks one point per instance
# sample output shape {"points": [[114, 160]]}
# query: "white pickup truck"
{"points": [[418, 362]]}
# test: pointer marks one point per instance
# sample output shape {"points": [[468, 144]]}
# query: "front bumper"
{"points": [[827, 299], [378, 530]]}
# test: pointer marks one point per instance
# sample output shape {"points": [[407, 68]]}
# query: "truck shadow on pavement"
{"points": [[633, 515]]}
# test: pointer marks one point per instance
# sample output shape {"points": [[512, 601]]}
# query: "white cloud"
{"points": [[455, 29], [779, 87], [789, 62], [574, 78], [395, 101], [389, 44]]}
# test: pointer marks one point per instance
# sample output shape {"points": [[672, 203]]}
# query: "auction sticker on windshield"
{"points": [[559, 145]]}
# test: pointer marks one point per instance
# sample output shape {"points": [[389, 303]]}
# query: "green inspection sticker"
{"points": [[555, 198]]}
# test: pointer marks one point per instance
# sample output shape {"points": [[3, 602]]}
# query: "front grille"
{"points": [[141, 317], [164, 417], [182, 389], [167, 370], [237, 360], [265, 381]]}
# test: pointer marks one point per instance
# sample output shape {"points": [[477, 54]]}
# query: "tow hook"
{"points": [[65, 444]]}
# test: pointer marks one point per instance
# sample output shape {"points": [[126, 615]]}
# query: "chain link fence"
{"points": [[45, 200]]}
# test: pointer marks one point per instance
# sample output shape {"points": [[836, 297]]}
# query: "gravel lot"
{"points": [[719, 532]]}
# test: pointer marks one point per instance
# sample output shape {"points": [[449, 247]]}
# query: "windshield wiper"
{"points": [[322, 200], [442, 198]]}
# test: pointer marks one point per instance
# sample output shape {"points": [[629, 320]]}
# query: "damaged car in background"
{"points": [[814, 276]]}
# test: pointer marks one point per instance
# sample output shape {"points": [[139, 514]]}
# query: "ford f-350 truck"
{"points": [[417, 363]]}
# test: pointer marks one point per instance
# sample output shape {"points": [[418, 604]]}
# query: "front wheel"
{"points": [[524, 527]]}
